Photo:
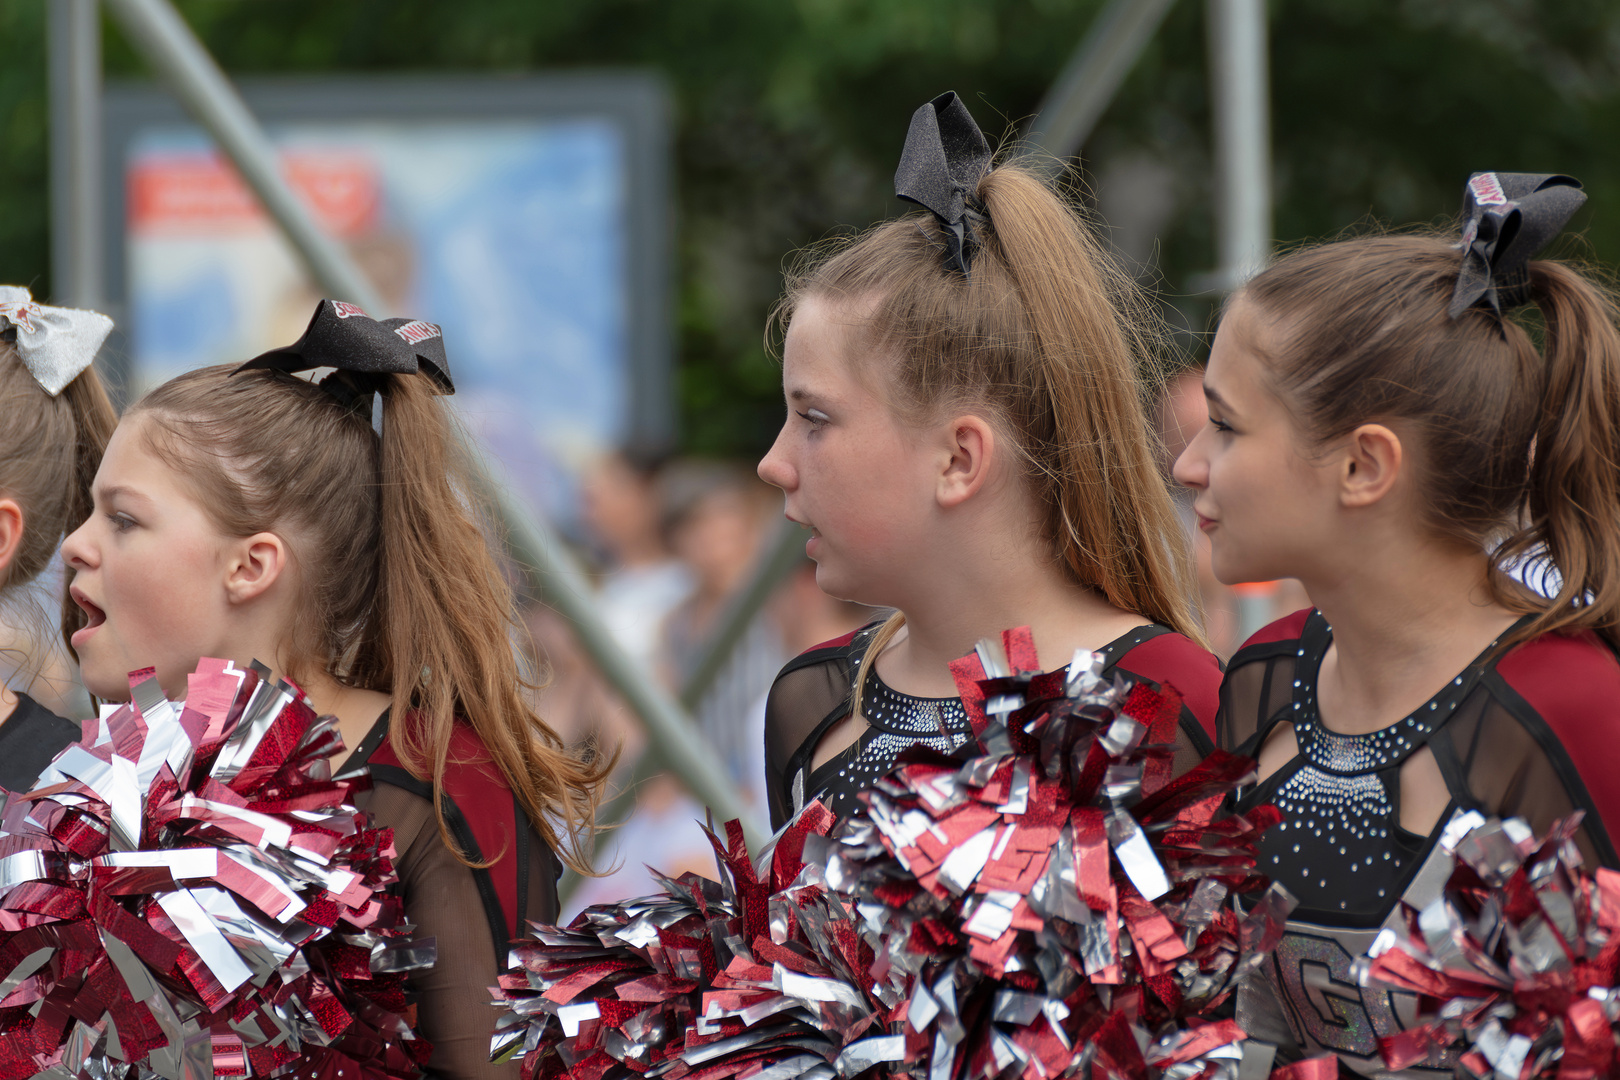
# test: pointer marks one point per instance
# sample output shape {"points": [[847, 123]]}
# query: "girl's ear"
{"points": [[970, 447], [11, 534], [255, 564], [1371, 465]]}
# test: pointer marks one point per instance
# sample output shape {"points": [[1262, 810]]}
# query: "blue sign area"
{"points": [[511, 234]]}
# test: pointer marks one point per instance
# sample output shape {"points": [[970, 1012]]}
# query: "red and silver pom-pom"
{"points": [[1061, 899], [1516, 963], [1045, 907], [189, 894]]}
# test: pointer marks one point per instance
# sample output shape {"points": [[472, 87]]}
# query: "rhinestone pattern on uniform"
{"points": [[895, 722], [1339, 847]]}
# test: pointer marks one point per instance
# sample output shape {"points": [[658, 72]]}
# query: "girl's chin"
{"points": [[111, 687]]}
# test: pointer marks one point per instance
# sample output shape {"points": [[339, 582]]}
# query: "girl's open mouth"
{"points": [[96, 616]]}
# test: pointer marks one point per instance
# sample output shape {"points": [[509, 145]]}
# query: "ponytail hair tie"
{"points": [[55, 344], [365, 351], [945, 157], [1507, 219]]}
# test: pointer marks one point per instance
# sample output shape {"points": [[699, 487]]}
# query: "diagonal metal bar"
{"points": [[164, 40], [1088, 83], [777, 557]]}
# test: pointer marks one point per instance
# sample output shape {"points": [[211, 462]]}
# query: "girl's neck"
{"points": [[949, 621], [1403, 625], [8, 702]]}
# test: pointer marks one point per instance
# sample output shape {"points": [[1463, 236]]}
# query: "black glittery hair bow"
{"points": [[363, 350], [1507, 219], [944, 158]]}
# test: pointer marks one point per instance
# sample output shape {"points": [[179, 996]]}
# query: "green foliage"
{"points": [[791, 113]]}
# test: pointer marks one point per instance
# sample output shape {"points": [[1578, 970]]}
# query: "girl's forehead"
{"points": [[829, 352], [132, 468]]}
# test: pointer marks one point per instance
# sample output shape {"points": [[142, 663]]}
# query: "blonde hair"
{"points": [[402, 592], [50, 449], [1052, 339]]}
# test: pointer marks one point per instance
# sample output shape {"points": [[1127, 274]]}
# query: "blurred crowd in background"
{"points": [[671, 540]]}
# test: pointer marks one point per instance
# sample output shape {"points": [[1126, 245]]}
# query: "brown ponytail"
{"points": [[1572, 500], [1050, 338], [404, 594], [1519, 446], [50, 449]]}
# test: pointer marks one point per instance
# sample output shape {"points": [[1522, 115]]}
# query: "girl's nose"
{"points": [[775, 470], [1192, 467], [76, 551]]}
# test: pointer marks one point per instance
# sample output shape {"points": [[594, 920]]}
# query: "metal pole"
{"points": [[1093, 75], [781, 553], [1240, 94], [162, 37], [157, 32], [75, 92]]}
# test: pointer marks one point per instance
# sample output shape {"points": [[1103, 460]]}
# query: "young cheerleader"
{"points": [[1411, 426], [55, 420], [250, 514], [967, 440]]}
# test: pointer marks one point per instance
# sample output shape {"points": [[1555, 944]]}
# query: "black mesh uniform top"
{"points": [[30, 737], [812, 693], [473, 911], [1504, 736]]}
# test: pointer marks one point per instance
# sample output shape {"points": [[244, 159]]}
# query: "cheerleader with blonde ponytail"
{"points": [[967, 439]]}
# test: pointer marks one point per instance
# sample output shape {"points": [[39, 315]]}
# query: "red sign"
{"points": [[202, 192]]}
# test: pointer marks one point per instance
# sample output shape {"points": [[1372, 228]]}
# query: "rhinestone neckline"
{"points": [[1352, 755]]}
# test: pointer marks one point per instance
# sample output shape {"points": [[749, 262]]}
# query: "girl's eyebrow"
{"points": [[128, 493], [1213, 395]]}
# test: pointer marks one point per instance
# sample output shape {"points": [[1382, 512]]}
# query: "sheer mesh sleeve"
{"points": [[442, 901], [804, 699], [1494, 763], [1255, 688]]}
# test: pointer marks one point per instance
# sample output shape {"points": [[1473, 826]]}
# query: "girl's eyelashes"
{"points": [[815, 416], [121, 523], [1220, 425]]}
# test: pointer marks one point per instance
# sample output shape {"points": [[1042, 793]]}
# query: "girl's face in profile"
{"points": [[1269, 509], [853, 472], [149, 568]]}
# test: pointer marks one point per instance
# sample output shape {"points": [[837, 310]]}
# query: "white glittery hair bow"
{"points": [[55, 344]]}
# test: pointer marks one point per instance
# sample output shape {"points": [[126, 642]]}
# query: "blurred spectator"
{"points": [[805, 616], [718, 515], [715, 516], [643, 582], [1230, 614], [574, 699]]}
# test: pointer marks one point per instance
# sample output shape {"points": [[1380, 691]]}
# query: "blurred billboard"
{"points": [[527, 216]]}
